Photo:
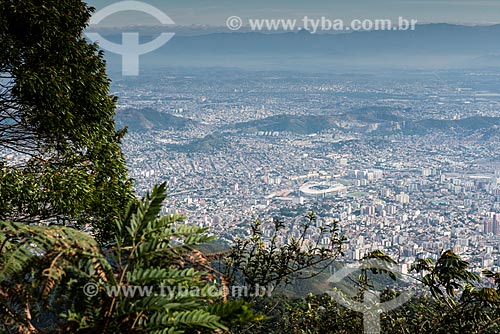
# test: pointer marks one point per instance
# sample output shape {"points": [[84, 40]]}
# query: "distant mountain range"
{"points": [[315, 124], [289, 123], [358, 120], [426, 39], [432, 45], [485, 61], [150, 119], [364, 117]]}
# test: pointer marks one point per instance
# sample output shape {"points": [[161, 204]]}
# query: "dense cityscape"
{"points": [[407, 163], [243, 167]]}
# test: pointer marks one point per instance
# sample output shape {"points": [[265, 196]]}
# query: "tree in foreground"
{"points": [[62, 167], [270, 262], [450, 299], [62, 162], [149, 280]]}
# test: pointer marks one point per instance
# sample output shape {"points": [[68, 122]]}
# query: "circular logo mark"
{"points": [[130, 49]]}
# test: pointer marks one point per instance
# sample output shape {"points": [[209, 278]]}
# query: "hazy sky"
{"points": [[215, 12]]}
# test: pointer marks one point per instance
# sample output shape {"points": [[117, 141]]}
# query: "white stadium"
{"points": [[322, 189]]}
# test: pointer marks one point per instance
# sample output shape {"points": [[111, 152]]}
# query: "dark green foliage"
{"points": [[268, 262], [446, 276], [451, 300], [55, 108], [44, 272], [460, 302]]}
